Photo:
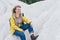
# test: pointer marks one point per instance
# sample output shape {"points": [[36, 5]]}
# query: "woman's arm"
{"points": [[26, 20]]}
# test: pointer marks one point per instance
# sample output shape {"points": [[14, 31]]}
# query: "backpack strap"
{"points": [[22, 14]]}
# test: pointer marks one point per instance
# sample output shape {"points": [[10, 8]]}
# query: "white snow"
{"points": [[45, 16]]}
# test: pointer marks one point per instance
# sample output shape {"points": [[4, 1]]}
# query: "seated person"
{"points": [[20, 23]]}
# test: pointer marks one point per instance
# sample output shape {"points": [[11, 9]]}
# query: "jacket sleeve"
{"points": [[12, 24], [26, 20]]}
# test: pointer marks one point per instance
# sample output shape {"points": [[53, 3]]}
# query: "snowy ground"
{"points": [[45, 16]]}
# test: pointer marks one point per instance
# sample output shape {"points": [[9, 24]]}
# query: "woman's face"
{"points": [[18, 10]]}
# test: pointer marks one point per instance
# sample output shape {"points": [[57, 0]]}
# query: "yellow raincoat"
{"points": [[13, 25]]}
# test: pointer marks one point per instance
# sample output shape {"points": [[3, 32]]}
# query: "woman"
{"points": [[20, 23]]}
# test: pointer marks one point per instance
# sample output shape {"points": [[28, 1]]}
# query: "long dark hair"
{"points": [[15, 8]]}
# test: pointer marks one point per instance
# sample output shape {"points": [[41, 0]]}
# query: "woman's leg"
{"points": [[20, 34], [27, 26], [30, 29]]}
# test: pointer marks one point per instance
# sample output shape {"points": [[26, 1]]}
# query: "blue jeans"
{"points": [[21, 34]]}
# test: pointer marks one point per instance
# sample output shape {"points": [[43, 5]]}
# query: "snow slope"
{"points": [[45, 16]]}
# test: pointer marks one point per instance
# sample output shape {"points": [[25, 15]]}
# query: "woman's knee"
{"points": [[28, 25]]}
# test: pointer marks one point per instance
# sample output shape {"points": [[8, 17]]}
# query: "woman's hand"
{"points": [[22, 31], [31, 23]]}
